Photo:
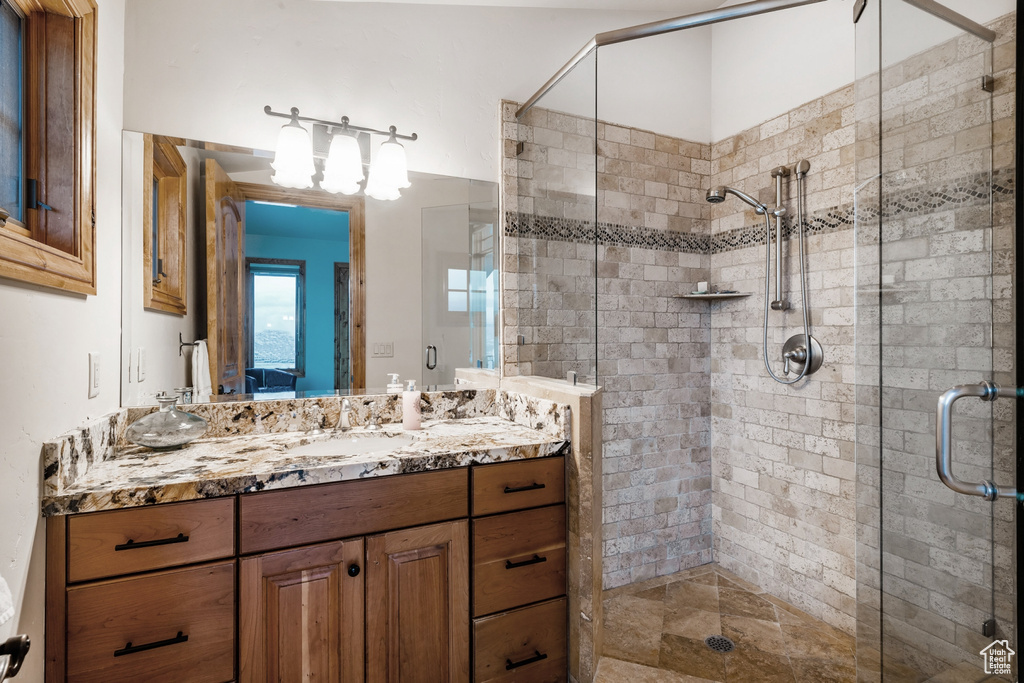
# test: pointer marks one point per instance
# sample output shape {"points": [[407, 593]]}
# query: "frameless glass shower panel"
{"points": [[868, 348], [935, 269], [549, 279], [484, 318], [654, 360]]}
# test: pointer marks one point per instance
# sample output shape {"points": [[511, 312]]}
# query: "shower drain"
{"points": [[720, 643]]}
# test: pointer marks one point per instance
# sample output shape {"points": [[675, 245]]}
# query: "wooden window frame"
{"points": [[300, 311], [165, 167], [57, 248]]}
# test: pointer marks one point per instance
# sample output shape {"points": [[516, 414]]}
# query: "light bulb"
{"points": [[293, 159], [343, 169], [392, 165]]}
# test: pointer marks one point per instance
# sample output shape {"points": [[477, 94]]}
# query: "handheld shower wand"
{"points": [[803, 350]]}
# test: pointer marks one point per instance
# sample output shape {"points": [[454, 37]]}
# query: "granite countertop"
{"points": [[208, 468]]}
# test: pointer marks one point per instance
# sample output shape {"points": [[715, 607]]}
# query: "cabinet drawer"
{"points": [[174, 626], [518, 558], [527, 645], [106, 544], [290, 517], [517, 485]]}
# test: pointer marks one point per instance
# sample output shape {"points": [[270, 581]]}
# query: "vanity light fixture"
{"points": [[293, 159], [343, 163]]}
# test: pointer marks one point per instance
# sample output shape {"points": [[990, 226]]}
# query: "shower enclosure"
{"points": [[823, 493], [935, 259]]}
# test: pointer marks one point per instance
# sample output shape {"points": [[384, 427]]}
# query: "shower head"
{"points": [[716, 195]]}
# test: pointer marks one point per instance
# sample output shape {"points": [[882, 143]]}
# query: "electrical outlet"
{"points": [[94, 375], [140, 371]]}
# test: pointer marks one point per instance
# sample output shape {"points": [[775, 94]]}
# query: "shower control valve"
{"points": [[799, 355], [796, 355]]}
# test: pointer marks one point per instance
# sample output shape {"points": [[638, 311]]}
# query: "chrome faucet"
{"points": [[373, 425], [344, 417]]}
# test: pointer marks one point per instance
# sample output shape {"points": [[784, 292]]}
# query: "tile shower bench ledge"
{"points": [[208, 468]]}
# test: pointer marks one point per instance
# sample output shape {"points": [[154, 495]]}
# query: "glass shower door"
{"points": [[935, 281], [460, 286]]}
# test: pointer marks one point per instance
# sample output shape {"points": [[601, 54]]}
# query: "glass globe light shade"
{"points": [[391, 166], [343, 169], [378, 190], [293, 159]]}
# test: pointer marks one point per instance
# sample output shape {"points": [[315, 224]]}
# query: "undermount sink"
{"points": [[355, 444]]}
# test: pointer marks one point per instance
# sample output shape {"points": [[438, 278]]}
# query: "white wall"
{"points": [[766, 65], [45, 338], [394, 276], [204, 70]]}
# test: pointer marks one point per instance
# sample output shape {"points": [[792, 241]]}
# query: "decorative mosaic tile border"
{"points": [[966, 191], [608, 234]]}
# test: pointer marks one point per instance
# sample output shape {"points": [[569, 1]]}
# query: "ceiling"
{"points": [[676, 7]]}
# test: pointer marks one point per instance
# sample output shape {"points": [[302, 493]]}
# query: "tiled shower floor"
{"points": [[654, 633]]}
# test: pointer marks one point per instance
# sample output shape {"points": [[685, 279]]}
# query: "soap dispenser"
{"points": [[395, 385], [411, 410]]}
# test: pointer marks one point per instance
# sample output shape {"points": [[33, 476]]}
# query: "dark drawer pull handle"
{"points": [[536, 559], [130, 649], [180, 538], [537, 657], [520, 489]]}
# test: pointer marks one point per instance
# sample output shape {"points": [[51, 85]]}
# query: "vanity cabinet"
{"points": [[417, 597], [519, 572], [364, 580], [302, 616]]}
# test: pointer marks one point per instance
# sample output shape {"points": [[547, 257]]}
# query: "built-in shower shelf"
{"points": [[714, 296]]}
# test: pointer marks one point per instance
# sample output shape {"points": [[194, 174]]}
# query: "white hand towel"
{"points": [[6, 602], [201, 385]]}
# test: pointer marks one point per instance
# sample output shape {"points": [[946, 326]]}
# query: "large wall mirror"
{"points": [[296, 292]]}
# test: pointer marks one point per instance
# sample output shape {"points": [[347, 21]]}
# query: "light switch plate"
{"points": [[383, 350], [94, 375]]}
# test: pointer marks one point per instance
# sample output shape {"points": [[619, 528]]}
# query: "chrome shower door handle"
{"points": [[431, 364], [986, 391]]}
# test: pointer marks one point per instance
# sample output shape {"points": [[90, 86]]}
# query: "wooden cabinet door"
{"points": [[225, 280], [301, 615], [417, 605]]}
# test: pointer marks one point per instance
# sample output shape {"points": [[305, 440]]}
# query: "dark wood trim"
{"points": [[355, 207], [56, 600], [339, 269], [357, 297], [300, 307]]}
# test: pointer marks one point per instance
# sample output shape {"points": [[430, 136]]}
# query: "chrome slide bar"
{"points": [[986, 391], [657, 28]]}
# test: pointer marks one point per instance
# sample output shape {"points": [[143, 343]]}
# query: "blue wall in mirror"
{"points": [[320, 238]]}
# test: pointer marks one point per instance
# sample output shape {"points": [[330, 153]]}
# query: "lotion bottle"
{"points": [[411, 411], [395, 385]]}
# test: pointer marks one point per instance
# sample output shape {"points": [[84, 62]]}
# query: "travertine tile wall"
{"points": [[648, 246], [783, 475]]}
